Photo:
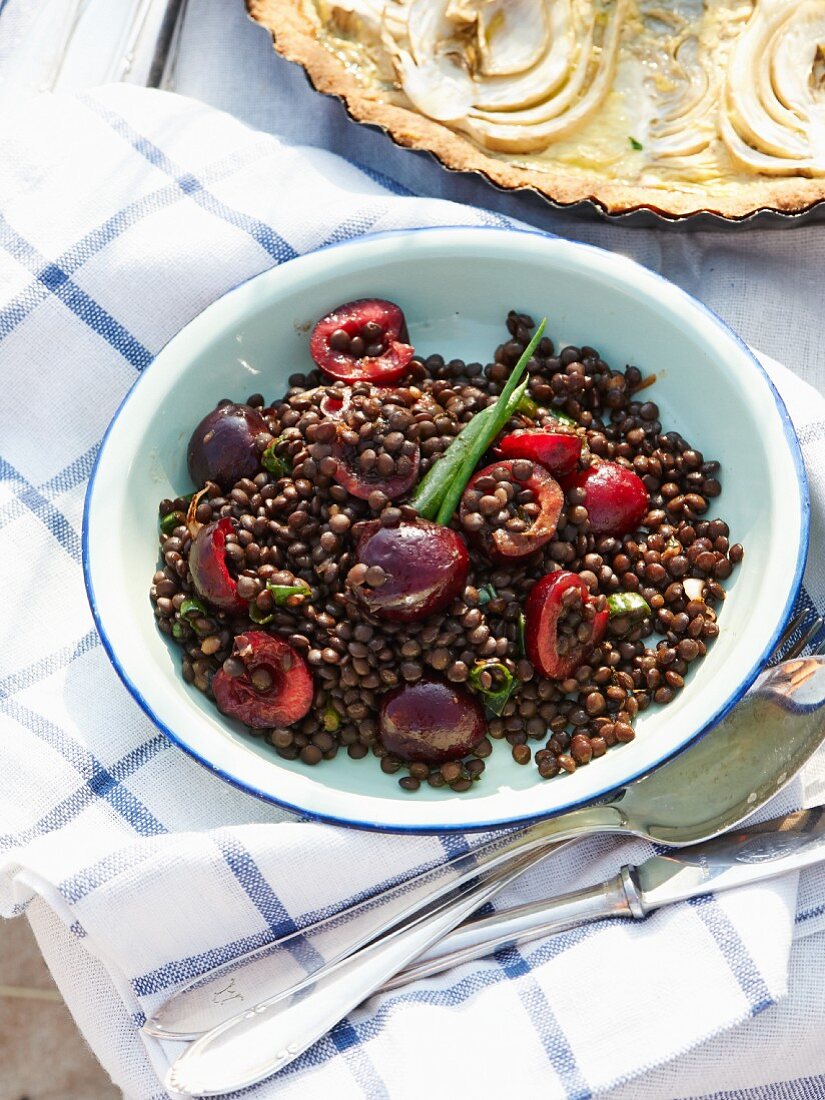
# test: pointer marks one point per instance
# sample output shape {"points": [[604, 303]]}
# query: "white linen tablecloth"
{"points": [[104, 254], [123, 213]]}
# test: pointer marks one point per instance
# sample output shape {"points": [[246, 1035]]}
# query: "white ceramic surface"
{"points": [[455, 286]]}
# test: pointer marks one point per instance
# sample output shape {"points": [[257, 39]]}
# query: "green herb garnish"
{"points": [[192, 608], [528, 407], [501, 414], [171, 521], [628, 604], [190, 611], [274, 463], [485, 594], [258, 616], [494, 682], [282, 593], [637, 145], [330, 719]]}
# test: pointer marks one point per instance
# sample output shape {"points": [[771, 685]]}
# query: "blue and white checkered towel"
{"points": [[122, 215]]}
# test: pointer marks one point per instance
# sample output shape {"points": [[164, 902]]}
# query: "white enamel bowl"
{"points": [[455, 286]]}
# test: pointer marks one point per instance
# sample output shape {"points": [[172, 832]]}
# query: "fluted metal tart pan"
{"points": [[802, 201]]}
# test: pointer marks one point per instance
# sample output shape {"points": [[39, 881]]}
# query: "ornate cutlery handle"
{"points": [[245, 1050], [617, 897], [221, 994]]}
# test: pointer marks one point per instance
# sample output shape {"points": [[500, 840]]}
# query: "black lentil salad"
{"points": [[413, 559]]}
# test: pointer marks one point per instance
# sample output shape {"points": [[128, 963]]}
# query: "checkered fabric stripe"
{"points": [[122, 215]]}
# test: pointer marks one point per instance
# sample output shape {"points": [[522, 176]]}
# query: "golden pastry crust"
{"points": [[294, 37]]}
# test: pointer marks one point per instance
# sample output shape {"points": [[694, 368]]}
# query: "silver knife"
{"points": [[764, 851], [734, 859]]}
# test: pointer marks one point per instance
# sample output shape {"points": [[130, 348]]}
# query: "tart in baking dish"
{"points": [[680, 106]]}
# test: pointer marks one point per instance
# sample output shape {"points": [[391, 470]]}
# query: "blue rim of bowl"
{"points": [[731, 701]]}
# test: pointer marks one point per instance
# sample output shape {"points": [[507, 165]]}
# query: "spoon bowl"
{"points": [[750, 756]]}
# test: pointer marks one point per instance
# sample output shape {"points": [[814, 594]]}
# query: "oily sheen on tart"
{"points": [[680, 107]]}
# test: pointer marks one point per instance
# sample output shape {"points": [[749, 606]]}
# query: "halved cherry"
{"points": [[360, 482], [210, 573], [362, 341], [557, 452], [419, 568], [431, 721], [563, 624], [267, 682], [616, 499], [501, 543]]}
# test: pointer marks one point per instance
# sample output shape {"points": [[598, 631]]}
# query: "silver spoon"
{"points": [[722, 779], [221, 993]]}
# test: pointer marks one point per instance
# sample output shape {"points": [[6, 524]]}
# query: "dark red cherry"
{"points": [[499, 543], [431, 721], [210, 573], [558, 608], [360, 483], [362, 341], [557, 452], [268, 683], [222, 447], [421, 567], [616, 499]]}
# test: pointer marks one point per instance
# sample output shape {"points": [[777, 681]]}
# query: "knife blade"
{"points": [[739, 858], [734, 859]]}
